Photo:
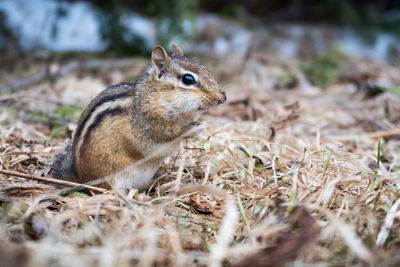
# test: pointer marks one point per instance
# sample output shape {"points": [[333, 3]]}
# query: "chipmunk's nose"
{"points": [[223, 99]]}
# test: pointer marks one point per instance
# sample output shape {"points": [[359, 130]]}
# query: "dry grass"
{"points": [[231, 193]]}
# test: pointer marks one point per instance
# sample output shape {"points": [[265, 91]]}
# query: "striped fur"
{"points": [[110, 108], [106, 99], [128, 122]]}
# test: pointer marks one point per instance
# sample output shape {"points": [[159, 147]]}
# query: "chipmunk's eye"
{"points": [[188, 79]]}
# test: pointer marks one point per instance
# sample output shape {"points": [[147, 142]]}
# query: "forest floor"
{"points": [[284, 172]]}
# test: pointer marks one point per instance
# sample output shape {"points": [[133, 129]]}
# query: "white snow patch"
{"points": [[141, 26], [79, 30], [35, 22]]}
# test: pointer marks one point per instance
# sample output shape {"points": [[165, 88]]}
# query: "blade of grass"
{"points": [[378, 160], [242, 212]]}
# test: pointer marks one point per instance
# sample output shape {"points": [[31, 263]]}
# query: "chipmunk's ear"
{"points": [[159, 58], [177, 50]]}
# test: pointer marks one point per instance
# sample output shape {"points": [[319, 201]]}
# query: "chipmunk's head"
{"points": [[184, 87]]}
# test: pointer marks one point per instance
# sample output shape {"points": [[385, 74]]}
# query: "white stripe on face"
{"points": [[177, 82], [195, 76]]}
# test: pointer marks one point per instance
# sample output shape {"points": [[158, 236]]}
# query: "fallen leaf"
{"points": [[286, 115], [288, 247]]}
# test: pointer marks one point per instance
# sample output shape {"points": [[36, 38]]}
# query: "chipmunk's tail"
{"points": [[63, 165]]}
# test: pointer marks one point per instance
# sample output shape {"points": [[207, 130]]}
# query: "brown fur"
{"points": [[127, 122], [114, 134]]}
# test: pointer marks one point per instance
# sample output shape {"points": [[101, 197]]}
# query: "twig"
{"points": [[55, 70], [52, 180], [378, 134], [26, 81], [383, 133], [51, 119]]}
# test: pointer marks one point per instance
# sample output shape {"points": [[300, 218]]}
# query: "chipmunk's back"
{"points": [[107, 105]]}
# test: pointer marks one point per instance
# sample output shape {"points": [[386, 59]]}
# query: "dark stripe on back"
{"points": [[103, 100], [100, 117]]}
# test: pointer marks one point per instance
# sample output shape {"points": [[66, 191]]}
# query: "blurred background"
{"points": [[289, 27]]}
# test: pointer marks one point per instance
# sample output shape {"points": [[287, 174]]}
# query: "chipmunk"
{"points": [[128, 122]]}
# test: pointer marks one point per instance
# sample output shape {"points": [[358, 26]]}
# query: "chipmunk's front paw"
{"points": [[195, 124], [190, 130]]}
